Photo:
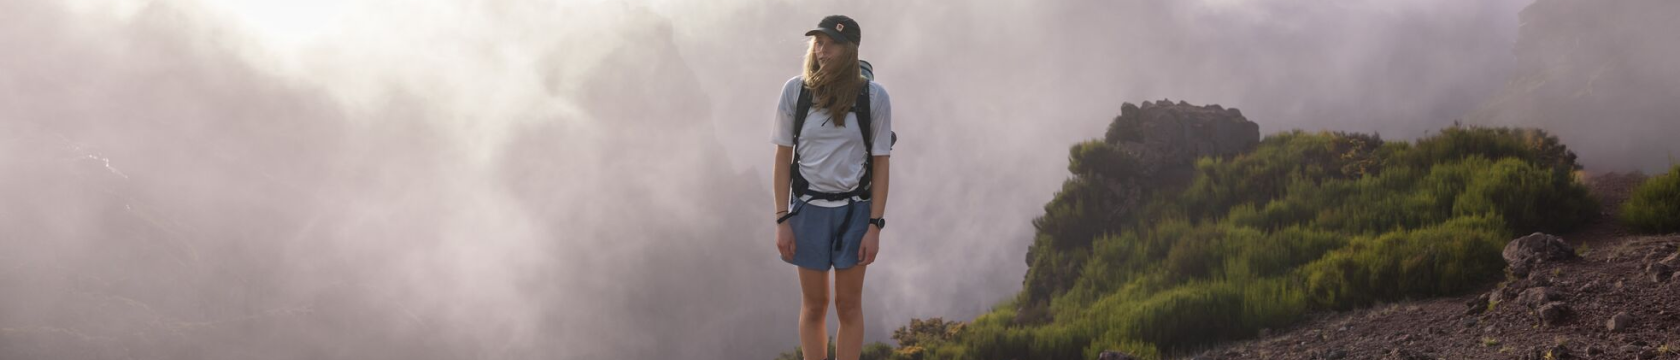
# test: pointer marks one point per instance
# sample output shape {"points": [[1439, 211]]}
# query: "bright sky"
{"points": [[288, 24]]}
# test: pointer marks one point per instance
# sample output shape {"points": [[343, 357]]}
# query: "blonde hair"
{"points": [[835, 87]]}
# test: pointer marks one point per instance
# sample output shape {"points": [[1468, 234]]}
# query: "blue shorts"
{"points": [[823, 238]]}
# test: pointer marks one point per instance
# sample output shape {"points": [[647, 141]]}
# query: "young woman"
{"points": [[838, 182]]}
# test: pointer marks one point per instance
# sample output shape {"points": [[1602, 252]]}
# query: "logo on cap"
{"points": [[839, 27]]}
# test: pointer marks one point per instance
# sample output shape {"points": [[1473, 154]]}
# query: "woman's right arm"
{"points": [[784, 157], [780, 178]]}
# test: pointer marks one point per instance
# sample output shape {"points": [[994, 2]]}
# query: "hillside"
{"points": [[1611, 303], [1178, 231]]}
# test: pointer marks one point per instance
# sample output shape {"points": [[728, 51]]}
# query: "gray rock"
{"points": [[1406, 354], [1590, 286], [1647, 354], [1477, 305], [1631, 349], [1553, 313], [1537, 296], [1539, 279], [1619, 322], [1521, 254], [1558, 352], [1335, 354], [1658, 271], [1667, 248]]}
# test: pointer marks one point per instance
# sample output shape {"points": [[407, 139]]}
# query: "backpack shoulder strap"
{"points": [[802, 108], [861, 107]]}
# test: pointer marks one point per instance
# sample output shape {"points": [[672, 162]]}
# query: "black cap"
{"points": [[840, 28]]}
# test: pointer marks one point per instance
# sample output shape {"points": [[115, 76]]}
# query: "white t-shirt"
{"points": [[831, 157]]}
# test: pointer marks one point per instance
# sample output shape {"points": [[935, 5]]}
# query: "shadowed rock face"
{"points": [[1168, 133], [1147, 149], [1599, 74]]}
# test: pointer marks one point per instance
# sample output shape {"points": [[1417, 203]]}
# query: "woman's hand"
{"points": [[871, 245], [784, 240]]}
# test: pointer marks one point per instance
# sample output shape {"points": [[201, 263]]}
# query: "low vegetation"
{"points": [[1306, 221]]}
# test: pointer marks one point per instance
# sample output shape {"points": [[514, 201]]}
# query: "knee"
{"points": [[848, 308], [814, 307]]}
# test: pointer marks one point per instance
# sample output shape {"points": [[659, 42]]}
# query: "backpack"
{"points": [[802, 187]]}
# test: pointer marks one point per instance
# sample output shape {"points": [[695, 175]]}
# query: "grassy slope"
{"points": [[1306, 221]]}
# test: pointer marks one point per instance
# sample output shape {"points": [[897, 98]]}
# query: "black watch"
{"points": [[880, 223]]}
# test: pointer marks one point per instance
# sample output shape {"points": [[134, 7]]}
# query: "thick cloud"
{"points": [[1601, 75], [588, 180]]}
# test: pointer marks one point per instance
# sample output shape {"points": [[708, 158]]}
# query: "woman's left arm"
{"points": [[878, 187], [878, 181], [883, 115], [877, 208]]}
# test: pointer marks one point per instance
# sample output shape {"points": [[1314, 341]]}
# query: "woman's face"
{"points": [[824, 48]]}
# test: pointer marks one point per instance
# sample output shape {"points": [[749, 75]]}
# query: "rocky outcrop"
{"points": [[1156, 145], [1167, 133], [1147, 149]]}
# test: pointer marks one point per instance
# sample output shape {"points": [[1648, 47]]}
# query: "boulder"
{"points": [[1658, 271], [1619, 322], [1537, 296], [1523, 253], [1553, 313], [1558, 352], [1477, 305]]}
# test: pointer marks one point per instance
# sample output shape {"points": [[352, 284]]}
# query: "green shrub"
{"points": [[877, 351], [1438, 260], [1654, 206], [1304, 222], [932, 330], [1457, 143], [1529, 197]]}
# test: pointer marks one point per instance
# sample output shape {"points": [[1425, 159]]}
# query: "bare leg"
{"points": [[848, 303], [813, 313]]}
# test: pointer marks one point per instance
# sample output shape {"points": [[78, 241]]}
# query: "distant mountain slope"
{"points": [[1603, 75]]}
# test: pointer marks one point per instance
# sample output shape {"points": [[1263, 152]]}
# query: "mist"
{"points": [[1600, 76], [589, 180]]}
